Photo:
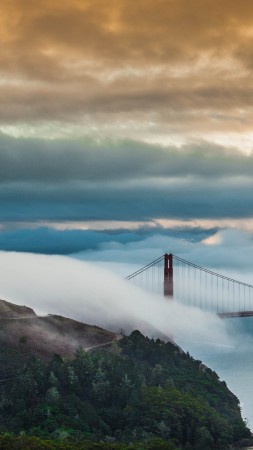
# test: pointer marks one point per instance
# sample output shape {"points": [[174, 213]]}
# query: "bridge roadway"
{"points": [[228, 315]]}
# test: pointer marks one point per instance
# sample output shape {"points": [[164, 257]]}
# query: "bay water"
{"points": [[233, 363]]}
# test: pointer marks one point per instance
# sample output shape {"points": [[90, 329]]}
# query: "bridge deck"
{"points": [[228, 315]]}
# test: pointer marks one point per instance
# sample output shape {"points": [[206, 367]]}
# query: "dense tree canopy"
{"points": [[138, 390]]}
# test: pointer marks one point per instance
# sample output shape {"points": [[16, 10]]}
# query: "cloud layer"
{"points": [[114, 111], [28, 160], [121, 180], [164, 70]]}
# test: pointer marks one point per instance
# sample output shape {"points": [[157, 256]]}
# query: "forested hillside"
{"points": [[135, 391]]}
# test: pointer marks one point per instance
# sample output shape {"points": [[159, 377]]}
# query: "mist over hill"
{"points": [[45, 336]]}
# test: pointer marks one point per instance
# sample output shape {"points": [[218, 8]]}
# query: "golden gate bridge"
{"points": [[191, 284]]}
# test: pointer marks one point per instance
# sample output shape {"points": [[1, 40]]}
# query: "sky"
{"points": [[123, 122]]}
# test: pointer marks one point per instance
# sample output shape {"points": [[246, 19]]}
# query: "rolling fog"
{"points": [[92, 294]]}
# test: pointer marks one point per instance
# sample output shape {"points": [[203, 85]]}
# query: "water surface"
{"points": [[233, 363]]}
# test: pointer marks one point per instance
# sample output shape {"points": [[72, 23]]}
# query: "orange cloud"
{"points": [[182, 63]]}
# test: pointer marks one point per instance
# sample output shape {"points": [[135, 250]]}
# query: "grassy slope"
{"points": [[22, 331]]}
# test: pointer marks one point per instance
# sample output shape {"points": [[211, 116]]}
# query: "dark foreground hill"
{"points": [[135, 393]]}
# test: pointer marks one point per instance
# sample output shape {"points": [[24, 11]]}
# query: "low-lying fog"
{"points": [[92, 294]]}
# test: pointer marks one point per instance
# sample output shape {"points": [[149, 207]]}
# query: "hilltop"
{"points": [[11, 311], [21, 329]]}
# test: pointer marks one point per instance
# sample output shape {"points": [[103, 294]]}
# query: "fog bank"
{"points": [[86, 292]]}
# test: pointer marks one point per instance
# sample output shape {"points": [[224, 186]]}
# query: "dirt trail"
{"points": [[118, 337]]}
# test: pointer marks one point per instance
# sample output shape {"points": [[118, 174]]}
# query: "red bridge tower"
{"points": [[168, 275]]}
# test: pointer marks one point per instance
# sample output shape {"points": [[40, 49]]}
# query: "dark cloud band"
{"points": [[34, 160]]}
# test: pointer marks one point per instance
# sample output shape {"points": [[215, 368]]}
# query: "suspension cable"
{"points": [[211, 272]]}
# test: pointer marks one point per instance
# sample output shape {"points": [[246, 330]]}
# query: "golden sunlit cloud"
{"points": [[216, 239], [168, 71], [245, 224]]}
